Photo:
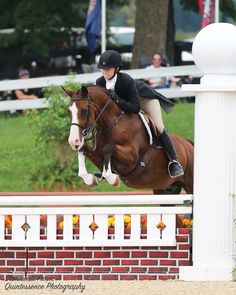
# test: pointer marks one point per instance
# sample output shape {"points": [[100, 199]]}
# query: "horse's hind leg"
{"points": [[188, 178], [188, 185], [174, 189], [112, 178], [188, 173]]}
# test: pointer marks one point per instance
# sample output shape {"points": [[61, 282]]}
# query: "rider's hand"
{"points": [[113, 95]]}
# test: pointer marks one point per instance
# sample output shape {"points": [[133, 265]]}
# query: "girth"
{"points": [[142, 164]]}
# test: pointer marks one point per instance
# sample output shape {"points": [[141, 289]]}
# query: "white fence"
{"points": [[92, 214], [9, 85]]}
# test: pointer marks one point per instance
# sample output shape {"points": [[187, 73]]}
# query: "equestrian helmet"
{"points": [[110, 59]]}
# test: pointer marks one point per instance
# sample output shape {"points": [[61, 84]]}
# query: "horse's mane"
{"points": [[99, 88]]}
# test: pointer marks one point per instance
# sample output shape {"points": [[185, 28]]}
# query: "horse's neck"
{"points": [[110, 114]]}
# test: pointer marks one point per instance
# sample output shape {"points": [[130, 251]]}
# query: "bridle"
{"points": [[91, 129], [88, 128]]}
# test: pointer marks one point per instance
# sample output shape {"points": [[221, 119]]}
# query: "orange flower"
{"points": [[127, 219], [188, 222], [111, 221], [75, 219], [8, 220], [61, 224]]}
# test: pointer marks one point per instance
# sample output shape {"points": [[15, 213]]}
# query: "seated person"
{"points": [[159, 82], [24, 93], [64, 61]]}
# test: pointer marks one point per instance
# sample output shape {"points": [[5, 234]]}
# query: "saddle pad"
{"points": [[145, 123]]}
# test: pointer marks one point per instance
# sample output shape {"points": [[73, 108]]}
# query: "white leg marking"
{"points": [[88, 178], [112, 178]]}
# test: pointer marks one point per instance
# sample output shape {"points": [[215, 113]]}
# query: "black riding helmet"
{"points": [[110, 59]]}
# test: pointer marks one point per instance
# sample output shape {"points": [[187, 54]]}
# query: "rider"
{"points": [[131, 95]]}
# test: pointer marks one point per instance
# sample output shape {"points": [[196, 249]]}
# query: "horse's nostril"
{"points": [[77, 142]]}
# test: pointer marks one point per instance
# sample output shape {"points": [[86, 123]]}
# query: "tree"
{"points": [[155, 29], [41, 25]]}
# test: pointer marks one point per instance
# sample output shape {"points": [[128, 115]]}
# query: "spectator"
{"points": [[65, 61], [159, 82], [25, 93]]}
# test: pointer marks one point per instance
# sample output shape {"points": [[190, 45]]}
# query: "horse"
{"points": [[121, 145]]}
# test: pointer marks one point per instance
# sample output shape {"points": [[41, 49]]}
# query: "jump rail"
{"points": [[92, 214]]}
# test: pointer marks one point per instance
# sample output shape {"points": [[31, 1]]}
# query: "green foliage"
{"points": [[58, 162], [41, 25]]}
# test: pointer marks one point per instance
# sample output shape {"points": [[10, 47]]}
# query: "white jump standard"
{"points": [[214, 51]]}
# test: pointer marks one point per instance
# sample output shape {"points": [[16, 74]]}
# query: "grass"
{"points": [[181, 120], [18, 160]]}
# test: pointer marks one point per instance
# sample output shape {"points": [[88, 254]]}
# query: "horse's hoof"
{"points": [[95, 181], [117, 182], [90, 180]]}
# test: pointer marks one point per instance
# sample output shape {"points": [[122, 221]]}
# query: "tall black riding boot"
{"points": [[174, 168]]}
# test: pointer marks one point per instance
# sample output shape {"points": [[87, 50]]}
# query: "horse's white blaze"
{"points": [[88, 178], [76, 140], [112, 178]]}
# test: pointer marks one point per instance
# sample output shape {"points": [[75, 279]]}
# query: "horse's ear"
{"points": [[67, 91], [84, 91]]}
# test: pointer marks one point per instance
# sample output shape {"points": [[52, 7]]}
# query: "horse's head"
{"points": [[82, 116]]}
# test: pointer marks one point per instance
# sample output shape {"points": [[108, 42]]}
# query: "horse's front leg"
{"points": [[112, 178], [88, 178]]}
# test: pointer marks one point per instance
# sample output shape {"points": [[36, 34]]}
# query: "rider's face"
{"points": [[108, 73]]}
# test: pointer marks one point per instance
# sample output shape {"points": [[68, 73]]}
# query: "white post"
{"points": [[103, 47], [217, 11], [214, 51]]}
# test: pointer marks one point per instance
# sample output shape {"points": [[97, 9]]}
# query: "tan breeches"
{"points": [[153, 109]]}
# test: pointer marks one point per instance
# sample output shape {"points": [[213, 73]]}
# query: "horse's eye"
{"points": [[84, 112]]}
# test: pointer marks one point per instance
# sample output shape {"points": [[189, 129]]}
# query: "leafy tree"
{"points": [[40, 25], [58, 162]]}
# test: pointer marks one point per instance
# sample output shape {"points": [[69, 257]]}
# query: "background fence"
{"points": [[9, 85]]}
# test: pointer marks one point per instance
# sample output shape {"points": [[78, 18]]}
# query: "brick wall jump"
{"points": [[97, 263]]}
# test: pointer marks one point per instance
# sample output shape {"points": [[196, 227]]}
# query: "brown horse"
{"points": [[121, 145]]}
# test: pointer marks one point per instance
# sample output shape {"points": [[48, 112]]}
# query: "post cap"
{"points": [[214, 49]]}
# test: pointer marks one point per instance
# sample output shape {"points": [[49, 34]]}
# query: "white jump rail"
{"points": [[91, 209], [8, 85]]}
